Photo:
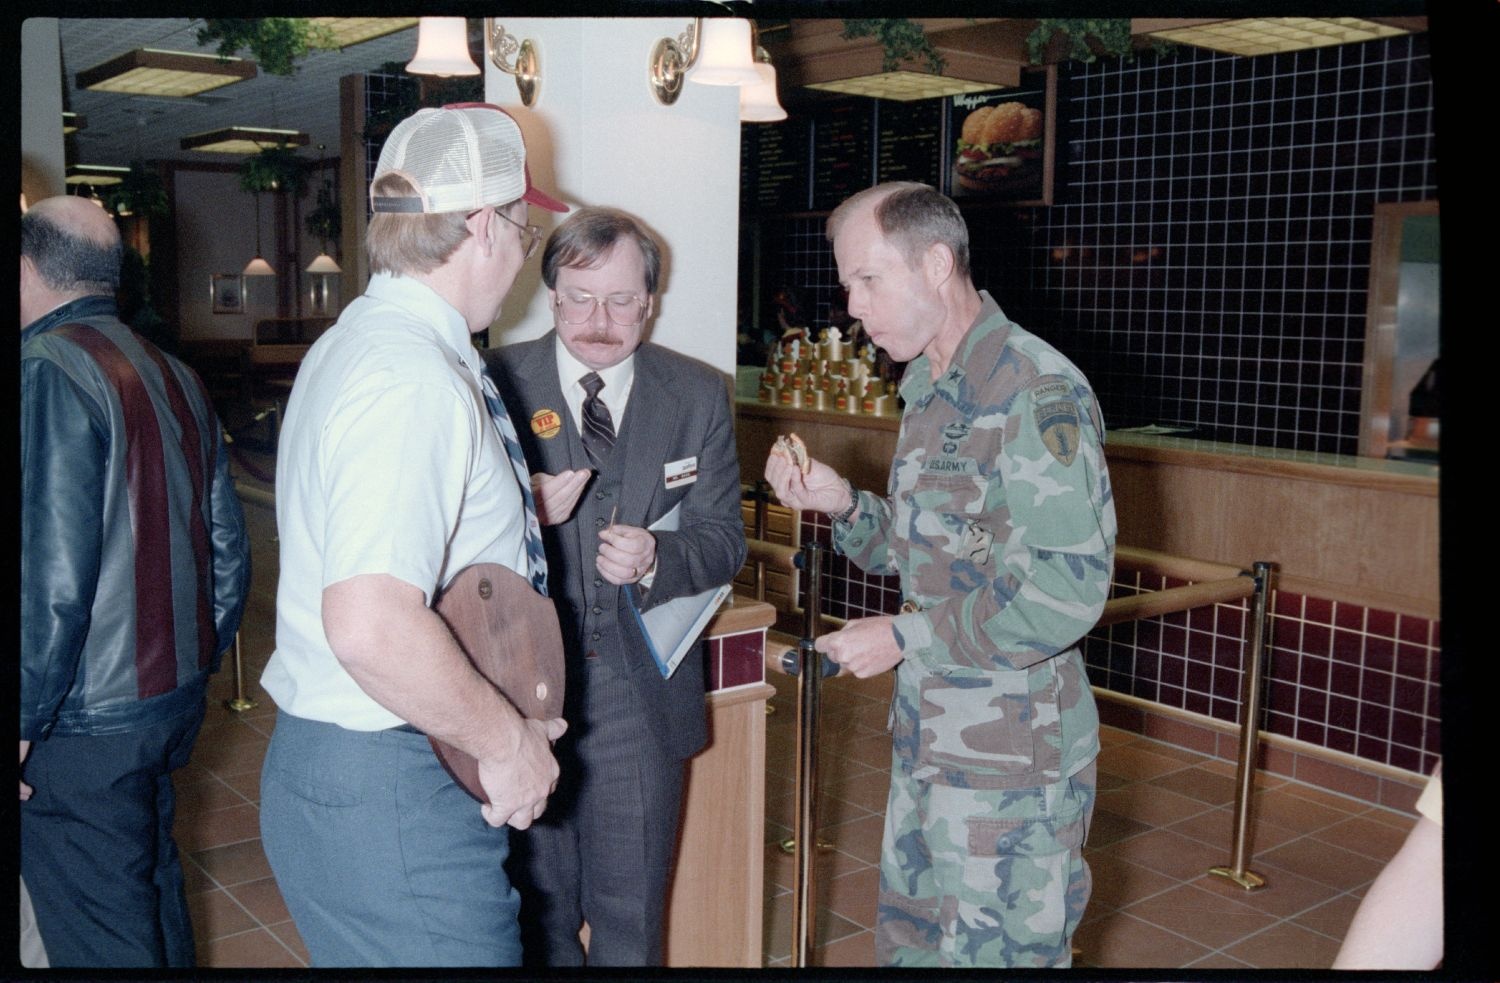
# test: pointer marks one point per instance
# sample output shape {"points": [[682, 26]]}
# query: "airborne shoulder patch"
{"points": [[1058, 416]]}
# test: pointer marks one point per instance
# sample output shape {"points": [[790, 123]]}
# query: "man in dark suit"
{"points": [[623, 437]]}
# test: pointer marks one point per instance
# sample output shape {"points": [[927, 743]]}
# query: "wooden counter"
{"points": [[716, 904], [1362, 530]]}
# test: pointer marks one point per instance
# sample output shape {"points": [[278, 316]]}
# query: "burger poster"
{"points": [[1003, 143]]}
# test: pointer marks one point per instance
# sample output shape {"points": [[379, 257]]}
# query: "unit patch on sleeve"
{"points": [[1057, 417]]}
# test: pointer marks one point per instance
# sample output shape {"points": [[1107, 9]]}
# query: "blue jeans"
{"points": [[382, 859]]}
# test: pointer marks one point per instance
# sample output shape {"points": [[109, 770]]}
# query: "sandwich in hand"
{"points": [[791, 447]]}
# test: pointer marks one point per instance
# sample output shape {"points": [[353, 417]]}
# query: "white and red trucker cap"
{"points": [[459, 158]]}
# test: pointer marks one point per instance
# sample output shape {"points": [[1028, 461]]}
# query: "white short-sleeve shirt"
{"points": [[388, 463]]}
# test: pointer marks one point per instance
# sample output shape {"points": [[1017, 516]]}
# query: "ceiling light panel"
{"points": [[1272, 35], [353, 30], [243, 140], [97, 175], [903, 86], [150, 72]]}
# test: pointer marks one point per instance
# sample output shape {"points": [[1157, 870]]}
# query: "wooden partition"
{"points": [[714, 911]]}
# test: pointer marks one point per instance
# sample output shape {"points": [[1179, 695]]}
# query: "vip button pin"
{"points": [[546, 424]]}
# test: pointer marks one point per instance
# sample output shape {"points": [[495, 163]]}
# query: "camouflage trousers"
{"points": [[983, 877]]}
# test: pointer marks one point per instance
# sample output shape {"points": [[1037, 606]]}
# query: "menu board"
{"points": [[909, 141], [773, 166], [842, 138]]}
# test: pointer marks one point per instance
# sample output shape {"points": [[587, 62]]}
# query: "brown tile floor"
{"points": [[1163, 818]]}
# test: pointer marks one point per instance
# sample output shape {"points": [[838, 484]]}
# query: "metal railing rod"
{"points": [[1153, 603], [254, 496], [1177, 567]]}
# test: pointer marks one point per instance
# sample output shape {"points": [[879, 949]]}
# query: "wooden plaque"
{"points": [[510, 633]]}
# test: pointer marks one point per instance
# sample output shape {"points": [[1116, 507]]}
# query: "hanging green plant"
{"points": [[141, 192], [900, 38], [410, 94], [135, 304], [275, 42], [1111, 34], [325, 221], [274, 169]]}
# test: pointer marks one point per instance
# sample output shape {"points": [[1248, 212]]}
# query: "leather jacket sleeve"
{"points": [[231, 553], [63, 479]]}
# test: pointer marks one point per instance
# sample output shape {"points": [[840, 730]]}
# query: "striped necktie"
{"points": [[598, 426], [536, 553]]}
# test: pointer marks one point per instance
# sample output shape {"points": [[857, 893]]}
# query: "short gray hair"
{"points": [[406, 244], [912, 216], [67, 261], [587, 236]]}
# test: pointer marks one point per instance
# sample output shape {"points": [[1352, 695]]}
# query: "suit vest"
{"points": [[588, 603]]}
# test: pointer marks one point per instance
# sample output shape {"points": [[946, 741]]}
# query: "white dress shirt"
{"points": [[618, 379], [388, 464]]}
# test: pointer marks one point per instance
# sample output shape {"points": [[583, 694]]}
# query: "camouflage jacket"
{"points": [[999, 521]]}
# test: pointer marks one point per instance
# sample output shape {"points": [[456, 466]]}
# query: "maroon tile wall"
{"points": [[1341, 676], [734, 660]]}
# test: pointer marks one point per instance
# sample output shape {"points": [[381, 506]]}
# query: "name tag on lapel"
{"points": [[683, 472]]}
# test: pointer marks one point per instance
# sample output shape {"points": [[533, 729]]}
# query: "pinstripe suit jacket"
{"points": [[678, 409]]}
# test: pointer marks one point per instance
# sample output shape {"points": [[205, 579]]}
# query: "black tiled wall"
{"points": [[1206, 258]]}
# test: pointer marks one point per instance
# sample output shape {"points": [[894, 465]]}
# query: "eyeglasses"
{"points": [[626, 310], [533, 234]]}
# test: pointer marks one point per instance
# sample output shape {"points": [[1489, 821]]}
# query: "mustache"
{"points": [[599, 339]]}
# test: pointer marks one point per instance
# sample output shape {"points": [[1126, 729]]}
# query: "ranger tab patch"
{"points": [[1057, 417]]}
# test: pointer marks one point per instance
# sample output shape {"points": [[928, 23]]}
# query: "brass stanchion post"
{"points": [[1250, 697], [239, 704]]}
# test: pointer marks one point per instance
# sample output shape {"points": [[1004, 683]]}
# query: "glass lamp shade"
{"points": [[324, 264], [724, 53], [758, 102], [258, 267], [442, 48]]}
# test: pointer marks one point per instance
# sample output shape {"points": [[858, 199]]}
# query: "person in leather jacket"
{"points": [[135, 566]]}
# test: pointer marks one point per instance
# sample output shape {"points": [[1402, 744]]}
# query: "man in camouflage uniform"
{"points": [[999, 521]]}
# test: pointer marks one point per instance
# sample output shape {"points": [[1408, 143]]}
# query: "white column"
{"points": [[41, 110], [597, 136]]}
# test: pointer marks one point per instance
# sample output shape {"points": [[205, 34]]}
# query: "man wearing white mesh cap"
{"points": [[392, 476]]}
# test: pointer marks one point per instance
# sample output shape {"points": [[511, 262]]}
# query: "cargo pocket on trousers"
{"points": [[1022, 869]]}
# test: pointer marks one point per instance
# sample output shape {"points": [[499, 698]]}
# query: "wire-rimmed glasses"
{"points": [[577, 307]]}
